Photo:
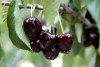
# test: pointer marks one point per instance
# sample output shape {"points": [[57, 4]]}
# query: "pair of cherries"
{"points": [[43, 40]]}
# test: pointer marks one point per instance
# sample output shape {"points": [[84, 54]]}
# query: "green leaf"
{"points": [[19, 26], [1, 51], [77, 4], [79, 61], [3, 63], [94, 9], [66, 22], [68, 60], [25, 2], [99, 51], [78, 31], [89, 53], [97, 64], [76, 48], [81, 5], [11, 27], [1, 16], [50, 9], [1, 21]]}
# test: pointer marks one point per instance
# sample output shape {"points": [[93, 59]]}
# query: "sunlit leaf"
{"points": [[78, 31], [11, 27], [94, 9], [19, 26], [50, 10]]}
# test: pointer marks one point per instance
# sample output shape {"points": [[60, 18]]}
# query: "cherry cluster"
{"points": [[43, 40]]}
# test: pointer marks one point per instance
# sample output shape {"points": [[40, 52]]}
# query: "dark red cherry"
{"points": [[51, 54], [47, 40], [64, 42], [32, 27], [35, 45], [91, 37]]}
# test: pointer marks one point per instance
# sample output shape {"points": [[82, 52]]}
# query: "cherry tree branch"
{"points": [[38, 7], [67, 10]]}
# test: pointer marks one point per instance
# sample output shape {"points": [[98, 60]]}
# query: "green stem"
{"points": [[60, 24], [32, 9]]}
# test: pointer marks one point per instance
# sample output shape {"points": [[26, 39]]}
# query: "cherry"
{"points": [[35, 45], [47, 40], [91, 34], [32, 27], [64, 42], [51, 54], [91, 37]]}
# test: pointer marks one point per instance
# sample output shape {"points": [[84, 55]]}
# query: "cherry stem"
{"points": [[40, 14], [82, 19], [50, 28], [31, 11], [60, 24]]}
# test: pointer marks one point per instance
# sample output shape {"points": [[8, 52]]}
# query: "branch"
{"points": [[62, 8], [38, 7], [82, 19]]}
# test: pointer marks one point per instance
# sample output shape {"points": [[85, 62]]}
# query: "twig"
{"points": [[82, 19], [67, 10], [38, 7]]}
